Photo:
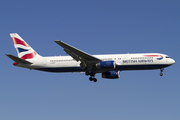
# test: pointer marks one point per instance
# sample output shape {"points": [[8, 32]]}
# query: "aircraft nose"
{"points": [[173, 61]]}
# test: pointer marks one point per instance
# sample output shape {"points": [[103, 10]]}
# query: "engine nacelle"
{"points": [[106, 64], [111, 74]]}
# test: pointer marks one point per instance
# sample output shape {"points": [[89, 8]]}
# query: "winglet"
{"points": [[18, 60]]}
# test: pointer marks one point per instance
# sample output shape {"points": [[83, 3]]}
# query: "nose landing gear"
{"points": [[161, 73]]}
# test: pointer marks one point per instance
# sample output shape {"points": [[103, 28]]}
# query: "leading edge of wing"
{"points": [[78, 53]]}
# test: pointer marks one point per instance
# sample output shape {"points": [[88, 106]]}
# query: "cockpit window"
{"points": [[167, 57]]}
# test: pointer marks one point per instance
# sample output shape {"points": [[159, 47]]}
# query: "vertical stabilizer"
{"points": [[24, 51]]}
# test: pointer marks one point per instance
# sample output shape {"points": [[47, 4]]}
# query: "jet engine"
{"points": [[111, 74], [106, 64]]}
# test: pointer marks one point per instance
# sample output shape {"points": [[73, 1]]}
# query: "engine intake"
{"points": [[106, 64], [111, 74]]}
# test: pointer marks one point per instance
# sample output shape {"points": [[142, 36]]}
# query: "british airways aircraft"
{"points": [[108, 65]]}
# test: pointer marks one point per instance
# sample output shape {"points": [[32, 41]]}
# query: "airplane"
{"points": [[109, 65]]}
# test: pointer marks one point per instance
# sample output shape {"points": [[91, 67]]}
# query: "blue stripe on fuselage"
{"points": [[61, 69], [119, 67], [141, 67]]}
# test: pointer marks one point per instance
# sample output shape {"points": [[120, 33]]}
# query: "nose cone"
{"points": [[172, 61]]}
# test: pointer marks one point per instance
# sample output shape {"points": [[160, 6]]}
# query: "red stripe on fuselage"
{"points": [[153, 55], [29, 56], [20, 42]]}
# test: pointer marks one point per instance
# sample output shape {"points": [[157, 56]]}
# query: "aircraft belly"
{"points": [[141, 67], [61, 69]]}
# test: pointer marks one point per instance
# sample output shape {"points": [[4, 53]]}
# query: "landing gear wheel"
{"points": [[161, 74], [95, 80], [92, 74], [90, 78]]}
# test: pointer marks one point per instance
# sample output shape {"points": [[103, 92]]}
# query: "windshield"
{"points": [[167, 57]]}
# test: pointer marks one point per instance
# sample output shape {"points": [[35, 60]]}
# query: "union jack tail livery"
{"points": [[24, 51]]}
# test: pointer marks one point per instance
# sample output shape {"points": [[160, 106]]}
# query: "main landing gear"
{"points": [[92, 78], [161, 73]]}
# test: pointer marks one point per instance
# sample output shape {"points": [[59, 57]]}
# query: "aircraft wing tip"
{"points": [[7, 54], [57, 41]]}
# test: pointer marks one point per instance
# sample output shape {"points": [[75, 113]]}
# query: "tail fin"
{"points": [[24, 51]]}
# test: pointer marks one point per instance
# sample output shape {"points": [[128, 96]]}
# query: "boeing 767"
{"points": [[109, 65]]}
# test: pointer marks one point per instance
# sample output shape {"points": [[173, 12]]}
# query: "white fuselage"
{"points": [[143, 61]]}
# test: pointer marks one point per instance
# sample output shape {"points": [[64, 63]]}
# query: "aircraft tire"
{"points": [[161, 74], [90, 78], [95, 80]]}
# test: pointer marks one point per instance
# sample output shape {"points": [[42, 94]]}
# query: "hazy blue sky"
{"points": [[96, 27]]}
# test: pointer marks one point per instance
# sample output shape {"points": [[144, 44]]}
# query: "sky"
{"points": [[96, 27]]}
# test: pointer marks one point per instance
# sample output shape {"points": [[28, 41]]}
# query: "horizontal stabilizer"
{"points": [[18, 60]]}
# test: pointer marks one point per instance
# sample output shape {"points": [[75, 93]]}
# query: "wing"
{"points": [[86, 59]]}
